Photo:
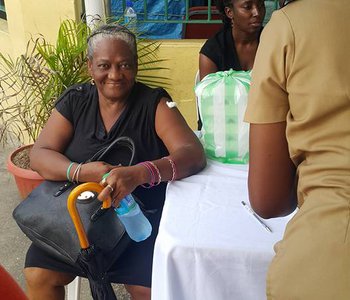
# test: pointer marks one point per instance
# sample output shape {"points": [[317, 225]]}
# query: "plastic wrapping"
{"points": [[222, 100]]}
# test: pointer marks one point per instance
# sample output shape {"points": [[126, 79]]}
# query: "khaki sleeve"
{"points": [[268, 97]]}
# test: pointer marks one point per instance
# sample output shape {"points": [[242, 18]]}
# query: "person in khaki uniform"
{"points": [[299, 115]]}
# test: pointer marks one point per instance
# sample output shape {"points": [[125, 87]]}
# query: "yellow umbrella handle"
{"points": [[73, 211]]}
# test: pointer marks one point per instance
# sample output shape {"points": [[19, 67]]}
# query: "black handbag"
{"points": [[43, 217]]}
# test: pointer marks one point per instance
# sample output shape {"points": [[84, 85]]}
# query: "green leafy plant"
{"points": [[31, 83]]}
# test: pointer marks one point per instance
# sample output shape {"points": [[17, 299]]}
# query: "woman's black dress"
{"points": [[79, 105]]}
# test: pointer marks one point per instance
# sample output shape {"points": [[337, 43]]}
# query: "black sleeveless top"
{"points": [[221, 50], [79, 105]]}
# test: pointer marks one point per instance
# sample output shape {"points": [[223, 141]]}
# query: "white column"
{"points": [[95, 10]]}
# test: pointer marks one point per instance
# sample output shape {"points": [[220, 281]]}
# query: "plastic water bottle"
{"points": [[136, 224], [130, 16]]}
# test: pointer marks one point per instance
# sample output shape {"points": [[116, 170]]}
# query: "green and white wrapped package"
{"points": [[222, 100]]}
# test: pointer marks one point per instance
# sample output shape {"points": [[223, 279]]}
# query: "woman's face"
{"points": [[113, 68], [247, 15]]}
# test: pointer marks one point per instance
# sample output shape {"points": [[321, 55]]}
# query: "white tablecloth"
{"points": [[209, 246]]}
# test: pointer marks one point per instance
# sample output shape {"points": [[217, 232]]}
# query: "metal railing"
{"points": [[167, 17]]}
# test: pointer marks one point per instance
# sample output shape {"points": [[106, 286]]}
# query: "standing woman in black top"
{"points": [[236, 44]]}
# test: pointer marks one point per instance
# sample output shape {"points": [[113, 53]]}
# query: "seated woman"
{"points": [[234, 47], [88, 117]]}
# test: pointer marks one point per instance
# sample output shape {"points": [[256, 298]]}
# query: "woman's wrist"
{"points": [[144, 176]]}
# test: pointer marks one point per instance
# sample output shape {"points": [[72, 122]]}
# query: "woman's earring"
{"points": [[92, 81]]}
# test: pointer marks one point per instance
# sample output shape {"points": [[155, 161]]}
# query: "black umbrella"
{"points": [[91, 259], [92, 265]]}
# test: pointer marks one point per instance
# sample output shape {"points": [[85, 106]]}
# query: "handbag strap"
{"points": [[120, 141]]}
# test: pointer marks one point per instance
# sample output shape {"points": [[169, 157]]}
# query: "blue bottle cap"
{"points": [[126, 205], [129, 3]]}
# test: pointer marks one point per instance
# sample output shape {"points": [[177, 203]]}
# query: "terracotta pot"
{"points": [[26, 180]]}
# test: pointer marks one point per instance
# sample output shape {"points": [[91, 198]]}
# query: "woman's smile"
{"points": [[114, 83]]}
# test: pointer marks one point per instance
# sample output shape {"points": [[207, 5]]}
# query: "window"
{"points": [[164, 19], [2, 10]]}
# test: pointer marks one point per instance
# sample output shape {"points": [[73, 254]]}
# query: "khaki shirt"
{"points": [[301, 75]]}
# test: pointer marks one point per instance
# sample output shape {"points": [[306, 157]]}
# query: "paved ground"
{"points": [[13, 243]]}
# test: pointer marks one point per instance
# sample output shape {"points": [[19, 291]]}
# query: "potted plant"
{"points": [[29, 86], [31, 83]]}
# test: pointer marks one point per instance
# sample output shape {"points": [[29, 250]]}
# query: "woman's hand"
{"points": [[122, 181], [93, 171]]}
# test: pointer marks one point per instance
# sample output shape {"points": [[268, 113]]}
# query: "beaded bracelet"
{"points": [[173, 167], [152, 175], [158, 173], [153, 171], [68, 170]]}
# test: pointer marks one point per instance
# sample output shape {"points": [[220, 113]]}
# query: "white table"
{"points": [[209, 246]]}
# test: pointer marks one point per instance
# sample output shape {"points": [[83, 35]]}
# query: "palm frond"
{"points": [[30, 84]]}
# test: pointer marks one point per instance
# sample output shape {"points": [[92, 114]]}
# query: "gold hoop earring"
{"points": [[92, 81]]}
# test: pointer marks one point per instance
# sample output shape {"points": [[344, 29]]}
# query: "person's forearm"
{"points": [[178, 164], [50, 164], [272, 174], [272, 198], [188, 160], [274, 209]]}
